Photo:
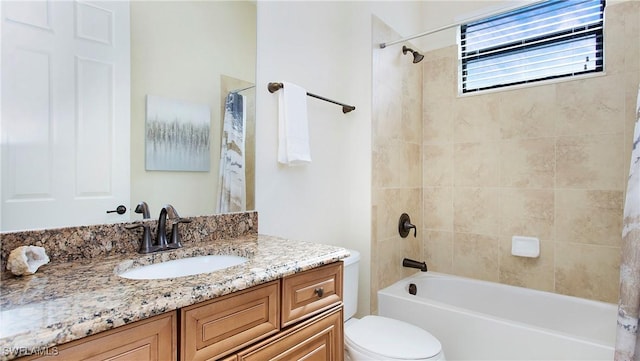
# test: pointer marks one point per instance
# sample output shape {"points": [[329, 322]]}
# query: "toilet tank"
{"points": [[350, 291]]}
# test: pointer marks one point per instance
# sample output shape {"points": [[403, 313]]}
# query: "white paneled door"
{"points": [[65, 72]]}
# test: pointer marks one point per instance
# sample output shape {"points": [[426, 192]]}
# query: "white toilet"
{"points": [[377, 337]]}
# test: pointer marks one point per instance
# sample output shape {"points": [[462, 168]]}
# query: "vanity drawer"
{"points": [[152, 339], [217, 328], [311, 292], [318, 338]]}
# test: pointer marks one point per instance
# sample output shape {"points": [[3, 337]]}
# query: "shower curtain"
{"points": [[231, 183], [627, 337]]}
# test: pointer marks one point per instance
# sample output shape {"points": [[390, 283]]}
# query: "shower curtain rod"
{"points": [[274, 87], [468, 20], [243, 89], [384, 45]]}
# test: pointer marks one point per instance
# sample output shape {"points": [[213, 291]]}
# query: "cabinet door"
{"points": [[318, 339], [213, 329], [151, 339]]}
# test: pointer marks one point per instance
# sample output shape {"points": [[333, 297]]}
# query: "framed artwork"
{"points": [[177, 135]]}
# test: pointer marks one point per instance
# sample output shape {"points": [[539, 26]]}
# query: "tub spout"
{"points": [[422, 266]]}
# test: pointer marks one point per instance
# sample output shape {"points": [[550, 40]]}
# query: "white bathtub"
{"points": [[478, 320]]}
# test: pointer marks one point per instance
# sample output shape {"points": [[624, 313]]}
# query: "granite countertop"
{"points": [[65, 302]]}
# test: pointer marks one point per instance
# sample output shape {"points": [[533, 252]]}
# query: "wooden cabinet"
{"points": [[317, 339], [310, 292], [151, 339], [215, 328], [298, 317]]}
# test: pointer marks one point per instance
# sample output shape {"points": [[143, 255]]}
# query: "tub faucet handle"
{"points": [[404, 225]]}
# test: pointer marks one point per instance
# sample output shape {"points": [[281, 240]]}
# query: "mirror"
{"points": [[192, 51]]}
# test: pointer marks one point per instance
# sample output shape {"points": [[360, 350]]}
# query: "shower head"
{"points": [[417, 57]]}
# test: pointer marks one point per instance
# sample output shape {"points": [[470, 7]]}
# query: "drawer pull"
{"points": [[319, 291]]}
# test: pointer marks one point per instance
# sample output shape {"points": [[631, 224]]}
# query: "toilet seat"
{"points": [[386, 338]]}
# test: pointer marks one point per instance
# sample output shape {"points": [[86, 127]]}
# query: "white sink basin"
{"points": [[183, 267]]}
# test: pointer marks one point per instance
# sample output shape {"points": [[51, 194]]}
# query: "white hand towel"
{"points": [[293, 127]]}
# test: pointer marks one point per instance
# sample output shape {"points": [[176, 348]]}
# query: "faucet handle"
{"points": [[404, 225], [175, 233], [146, 246]]}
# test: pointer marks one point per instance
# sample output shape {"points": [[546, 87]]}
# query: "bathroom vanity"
{"points": [[292, 316], [284, 302]]}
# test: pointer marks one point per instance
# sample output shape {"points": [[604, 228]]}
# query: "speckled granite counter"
{"points": [[68, 301]]}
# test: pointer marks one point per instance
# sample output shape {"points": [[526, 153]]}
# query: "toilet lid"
{"points": [[393, 338]]}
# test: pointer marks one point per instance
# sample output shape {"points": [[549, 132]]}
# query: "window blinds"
{"points": [[546, 40]]}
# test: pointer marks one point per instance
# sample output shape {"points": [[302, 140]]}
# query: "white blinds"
{"points": [[546, 40]]}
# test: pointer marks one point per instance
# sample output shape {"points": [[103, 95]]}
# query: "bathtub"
{"points": [[478, 320]]}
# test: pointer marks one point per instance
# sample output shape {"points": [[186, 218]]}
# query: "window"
{"points": [[546, 40]]}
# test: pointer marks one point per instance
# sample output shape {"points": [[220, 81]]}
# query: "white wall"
{"points": [[326, 48]]}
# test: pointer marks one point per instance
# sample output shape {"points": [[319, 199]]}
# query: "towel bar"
{"points": [[274, 87]]}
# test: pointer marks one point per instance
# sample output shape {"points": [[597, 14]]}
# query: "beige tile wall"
{"points": [[397, 160], [546, 161]]}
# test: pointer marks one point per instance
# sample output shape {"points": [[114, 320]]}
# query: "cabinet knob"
{"points": [[319, 291]]}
